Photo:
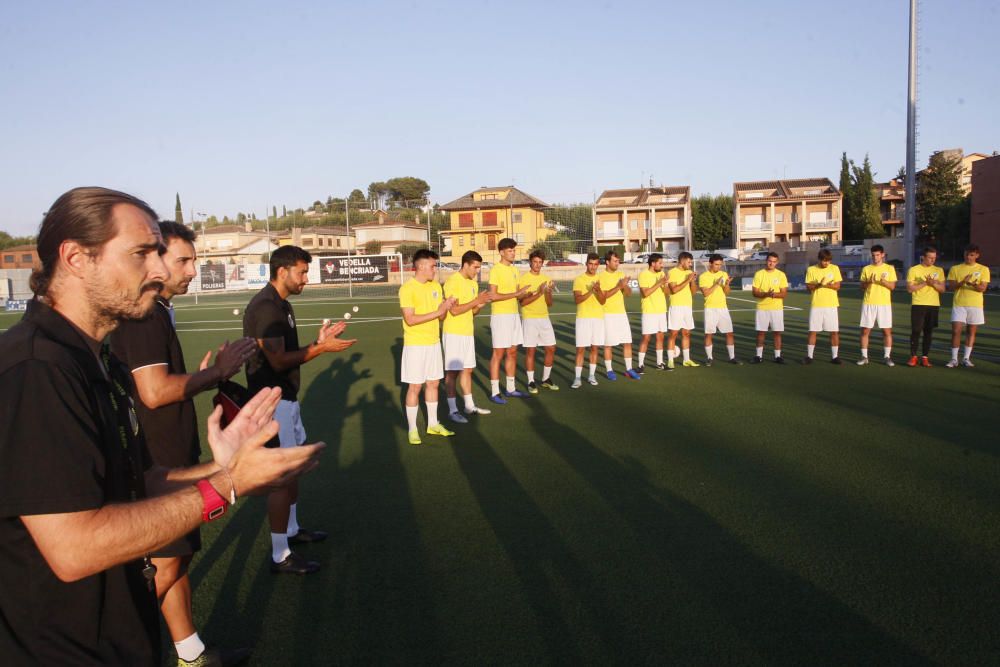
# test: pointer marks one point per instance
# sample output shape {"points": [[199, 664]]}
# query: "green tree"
{"points": [[939, 198], [847, 203], [378, 192], [373, 247], [356, 196], [274, 212], [865, 215], [711, 220], [8, 241], [407, 250], [408, 190], [178, 213]]}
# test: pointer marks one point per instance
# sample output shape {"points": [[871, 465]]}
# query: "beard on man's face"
{"points": [[115, 305]]}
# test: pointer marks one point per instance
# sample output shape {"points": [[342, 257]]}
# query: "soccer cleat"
{"points": [[414, 437], [691, 363], [532, 388], [709, 362], [439, 429], [912, 362], [967, 363], [633, 375], [889, 362], [517, 393], [735, 362], [592, 380], [498, 399], [641, 370], [836, 361], [952, 364], [661, 366], [458, 417], [779, 360], [476, 410], [307, 536], [863, 361], [551, 386], [612, 376], [670, 365], [925, 362], [577, 383], [213, 657], [805, 360], [294, 564], [757, 360]]}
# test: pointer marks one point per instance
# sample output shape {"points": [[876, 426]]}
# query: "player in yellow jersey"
{"points": [[505, 323], [423, 306], [878, 279], [682, 282], [770, 287], [653, 288], [714, 286], [458, 335], [925, 282], [823, 280], [589, 301], [535, 323], [617, 330], [968, 280]]}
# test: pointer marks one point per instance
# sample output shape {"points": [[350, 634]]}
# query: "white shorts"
{"points": [[876, 315], [823, 319], [653, 323], [617, 330], [459, 351], [291, 431], [680, 317], [506, 330], [967, 315], [718, 319], [775, 319], [421, 363], [589, 331], [538, 331]]}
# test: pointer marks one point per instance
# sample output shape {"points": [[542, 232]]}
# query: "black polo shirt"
{"points": [[269, 316], [171, 431], [61, 450]]}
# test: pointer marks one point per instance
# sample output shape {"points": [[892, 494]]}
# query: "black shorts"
{"points": [[185, 546], [924, 317]]}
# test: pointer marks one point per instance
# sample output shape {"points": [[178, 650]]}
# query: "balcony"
{"points": [[829, 223], [669, 230], [754, 227], [614, 234]]}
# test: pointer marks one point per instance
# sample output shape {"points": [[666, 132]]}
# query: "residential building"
{"points": [[891, 201], [325, 240], [985, 216], [481, 218], [644, 219], [965, 162], [232, 243], [19, 257], [793, 211], [390, 233]]}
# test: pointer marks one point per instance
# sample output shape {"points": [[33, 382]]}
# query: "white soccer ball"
{"points": [[347, 316], [236, 311], [355, 309], [326, 321]]}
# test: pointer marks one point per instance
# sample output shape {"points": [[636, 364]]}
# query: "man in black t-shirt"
{"points": [[269, 319], [163, 389], [75, 519]]}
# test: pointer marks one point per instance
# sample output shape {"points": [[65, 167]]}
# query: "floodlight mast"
{"points": [[910, 206]]}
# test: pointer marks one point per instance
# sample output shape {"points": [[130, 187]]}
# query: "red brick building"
{"points": [[985, 221], [19, 257]]}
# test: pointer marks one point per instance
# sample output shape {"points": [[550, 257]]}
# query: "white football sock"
{"points": [[628, 363], [642, 358], [607, 365], [411, 416], [452, 404], [494, 387], [968, 352], [809, 350], [864, 353], [279, 547], [432, 413], [531, 375], [687, 354], [834, 351], [190, 648], [510, 384], [954, 354], [708, 351], [293, 519], [731, 349], [579, 372], [469, 403], [659, 356], [760, 351], [546, 373]]}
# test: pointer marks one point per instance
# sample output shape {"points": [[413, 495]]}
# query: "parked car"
{"points": [[758, 256]]}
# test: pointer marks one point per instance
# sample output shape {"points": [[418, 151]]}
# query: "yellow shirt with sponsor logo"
{"points": [[770, 280], [465, 290], [505, 278], [656, 302], [538, 308], [682, 297], [423, 298], [966, 295], [823, 297], [716, 299], [589, 308], [608, 280], [926, 295], [876, 295]]}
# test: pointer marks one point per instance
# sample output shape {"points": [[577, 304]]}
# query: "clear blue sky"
{"points": [[239, 106]]}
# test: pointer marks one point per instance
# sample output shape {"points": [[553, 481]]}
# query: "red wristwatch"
{"points": [[213, 505]]}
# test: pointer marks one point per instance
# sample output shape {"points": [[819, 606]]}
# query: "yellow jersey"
{"points": [[823, 297], [423, 298], [656, 302], [608, 281], [589, 308], [926, 295], [876, 295], [765, 280], [716, 299], [504, 276], [538, 308], [966, 295], [682, 297], [465, 290]]}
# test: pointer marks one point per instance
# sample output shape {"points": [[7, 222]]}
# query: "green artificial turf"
{"points": [[726, 515]]}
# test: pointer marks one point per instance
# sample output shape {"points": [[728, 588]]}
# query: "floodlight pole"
{"points": [[910, 213]]}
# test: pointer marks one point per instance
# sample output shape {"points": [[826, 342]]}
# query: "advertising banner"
{"points": [[361, 269]]}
